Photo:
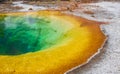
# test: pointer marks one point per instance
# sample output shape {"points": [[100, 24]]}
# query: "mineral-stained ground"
{"points": [[107, 62]]}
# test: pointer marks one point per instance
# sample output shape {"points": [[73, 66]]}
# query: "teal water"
{"points": [[23, 34]]}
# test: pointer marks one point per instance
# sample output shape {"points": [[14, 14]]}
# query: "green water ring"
{"points": [[27, 33]]}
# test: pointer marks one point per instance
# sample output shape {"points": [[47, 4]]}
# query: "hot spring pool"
{"points": [[26, 33]]}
